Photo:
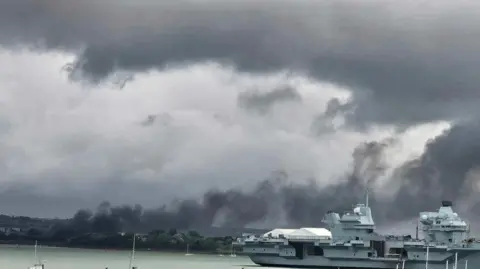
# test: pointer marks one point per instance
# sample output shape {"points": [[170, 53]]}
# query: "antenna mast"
{"points": [[416, 231], [366, 197]]}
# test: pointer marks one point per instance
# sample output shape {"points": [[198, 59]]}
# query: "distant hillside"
{"points": [[25, 223]]}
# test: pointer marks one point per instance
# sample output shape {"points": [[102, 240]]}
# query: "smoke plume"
{"points": [[302, 204], [439, 173]]}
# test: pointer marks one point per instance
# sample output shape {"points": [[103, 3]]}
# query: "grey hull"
{"points": [[319, 262], [322, 263], [316, 267]]}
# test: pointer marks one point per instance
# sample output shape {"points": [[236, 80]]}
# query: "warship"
{"points": [[351, 241]]}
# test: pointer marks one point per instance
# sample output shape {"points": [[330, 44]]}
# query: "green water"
{"points": [[13, 257]]}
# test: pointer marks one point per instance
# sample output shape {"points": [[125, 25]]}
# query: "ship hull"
{"points": [[312, 267], [318, 263], [316, 267], [324, 263]]}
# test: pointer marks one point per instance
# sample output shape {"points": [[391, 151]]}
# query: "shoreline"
{"points": [[11, 244]]}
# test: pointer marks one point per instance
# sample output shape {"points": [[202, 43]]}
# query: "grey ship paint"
{"points": [[354, 243]]}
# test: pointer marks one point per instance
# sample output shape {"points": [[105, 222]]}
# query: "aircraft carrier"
{"points": [[351, 241]]}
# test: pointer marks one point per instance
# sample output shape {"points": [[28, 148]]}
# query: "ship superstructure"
{"points": [[351, 241]]}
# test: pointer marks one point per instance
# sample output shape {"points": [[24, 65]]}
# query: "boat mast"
{"points": [[426, 262], [456, 260], [133, 253], [36, 251]]}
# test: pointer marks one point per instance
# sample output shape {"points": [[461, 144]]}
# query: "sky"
{"points": [[153, 102]]}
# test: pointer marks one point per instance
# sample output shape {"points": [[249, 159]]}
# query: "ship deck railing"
{"points": [[389, 257], [272, 240], [414, 243], [307, 238], [265, 240]]}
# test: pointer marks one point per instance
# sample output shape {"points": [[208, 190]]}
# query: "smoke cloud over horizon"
{"points": [[276, 202], [237, 113]]}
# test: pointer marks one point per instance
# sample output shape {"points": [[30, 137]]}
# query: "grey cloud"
{"points": [[4, 126], [324, 122], [164, 119], [442, 171], [334, 107], [404, 62], [261, 102], [150, 120], [61, 198]]}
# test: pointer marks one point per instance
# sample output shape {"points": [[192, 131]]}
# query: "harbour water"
{"points": [[21, 257]]}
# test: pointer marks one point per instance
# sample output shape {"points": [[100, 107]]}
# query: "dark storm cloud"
{"points": [[405, 62], [261, 102]]}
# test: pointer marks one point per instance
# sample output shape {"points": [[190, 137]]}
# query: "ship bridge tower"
{"points": [[444, 226], [357, 224]]}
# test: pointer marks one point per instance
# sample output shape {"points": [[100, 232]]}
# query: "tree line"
{"points": [[161, 240]]}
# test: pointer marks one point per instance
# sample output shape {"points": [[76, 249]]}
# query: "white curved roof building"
{"points": [[302, 233], [276, 232], [310, 233]]}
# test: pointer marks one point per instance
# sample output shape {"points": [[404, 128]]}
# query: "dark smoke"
{"points": [[448, 169], [302, 204], [237, 208], [306, 204]]}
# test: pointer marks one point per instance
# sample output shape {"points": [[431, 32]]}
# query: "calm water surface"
{"points": [[13, 257]]}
